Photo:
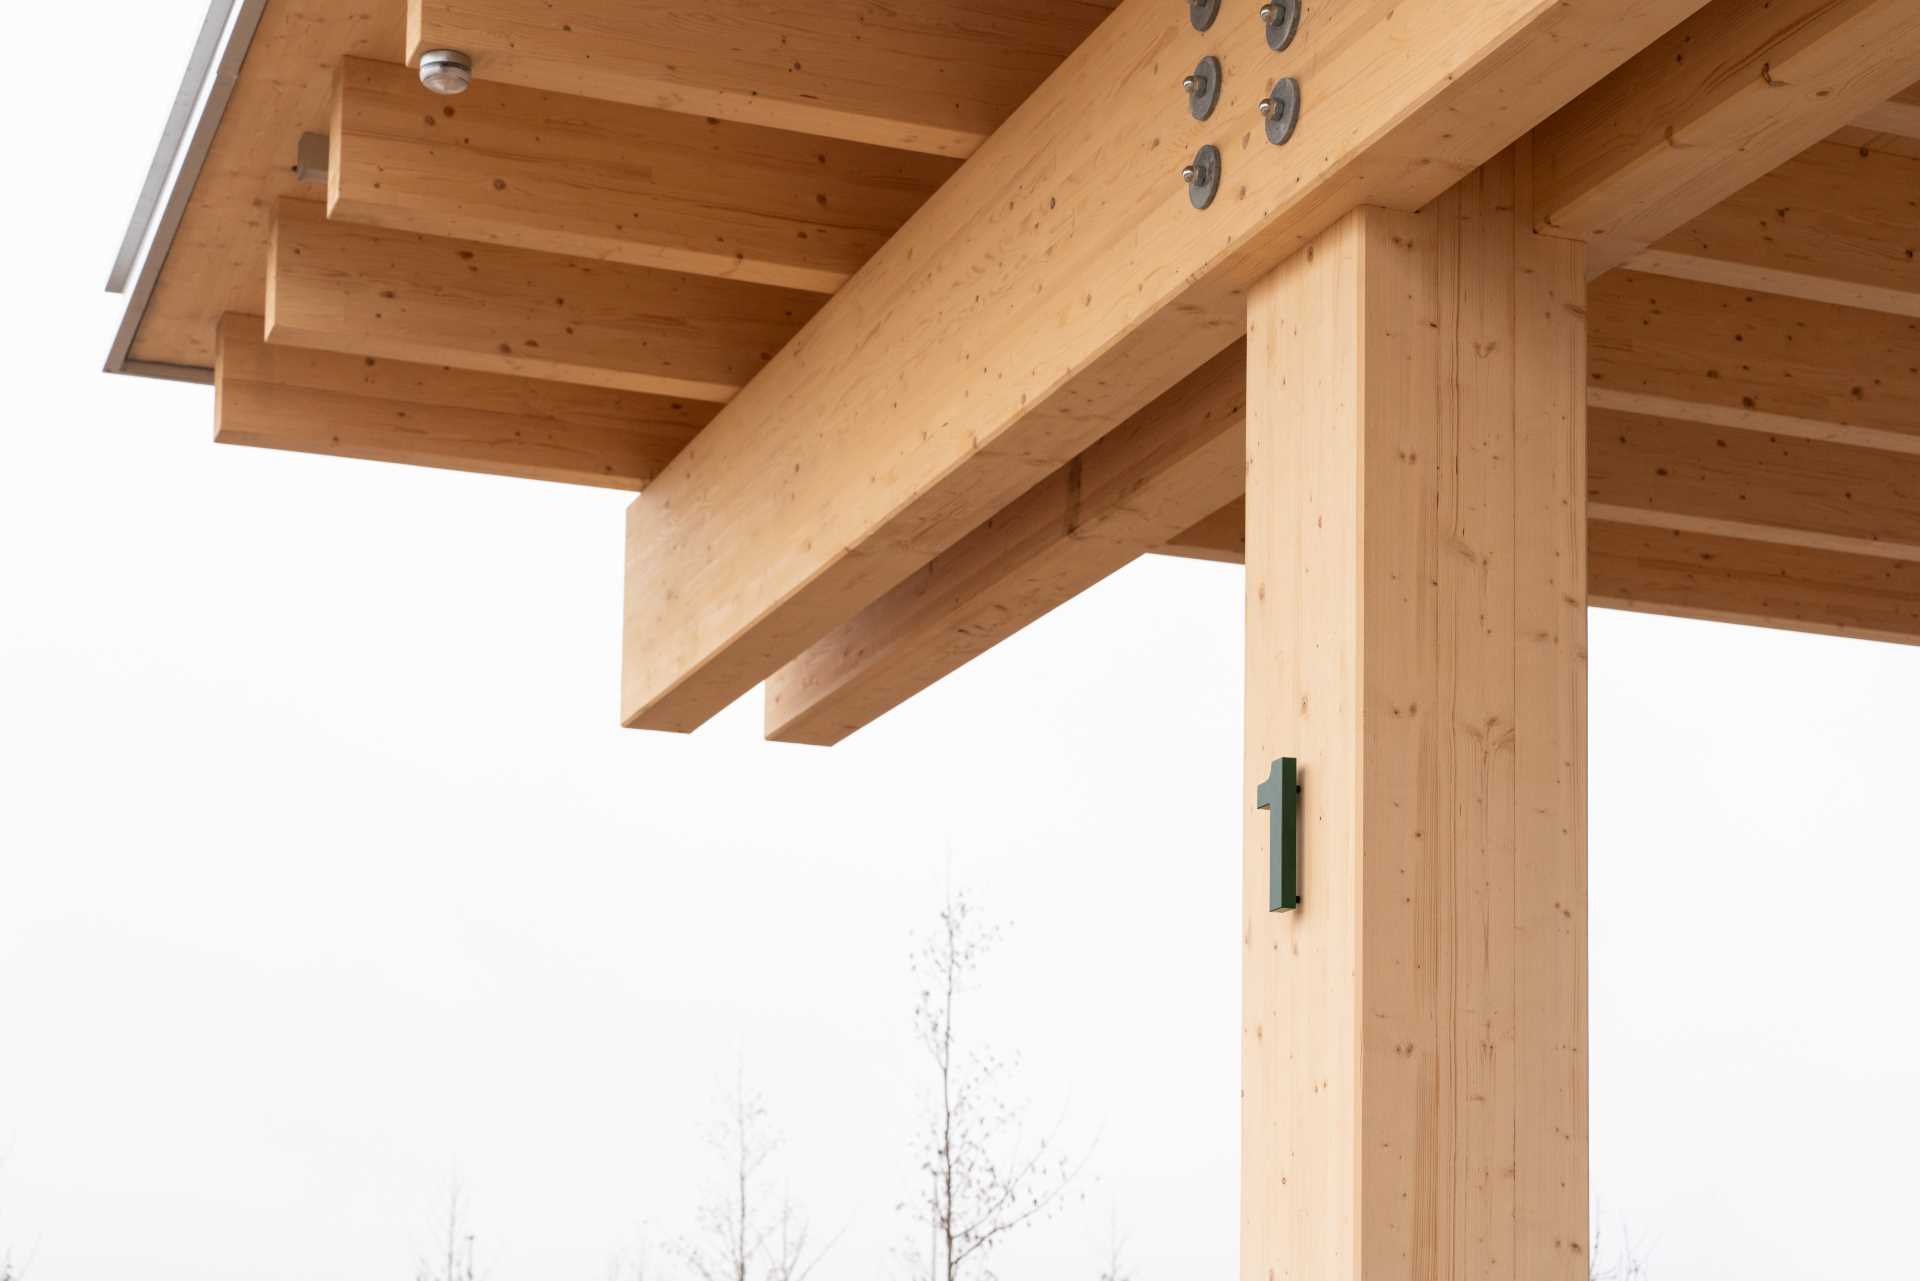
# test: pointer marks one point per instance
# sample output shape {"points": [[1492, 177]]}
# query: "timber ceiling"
{"points": [[565, 272]]}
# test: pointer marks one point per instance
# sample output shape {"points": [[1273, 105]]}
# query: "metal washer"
{"points": [[1286, 110]]}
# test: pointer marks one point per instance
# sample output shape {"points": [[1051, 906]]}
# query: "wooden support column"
{"points": [[1415, 1031]]}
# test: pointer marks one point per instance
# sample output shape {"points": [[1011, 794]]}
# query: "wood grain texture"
{"points": [[285, 89], [1175, 460], [1731, 580], [1414, 1036], [1219, 537], [1899, 115], [1709, 107], [1052, 288], [1673, 474], [1683, 349], [322, 402], [925, 75], [572, 175], [1835, 224], [368, 291]]}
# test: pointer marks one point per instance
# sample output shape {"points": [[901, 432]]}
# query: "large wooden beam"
{"points": [[1835, 224], [1699, 478], [1689, 574], [571, 175], [322, 402], [1711, 106], [1052, 288], [1176, 460], [1414, 1038], [1736, 358], [925, 75], [367, 291], [1899, 114]]}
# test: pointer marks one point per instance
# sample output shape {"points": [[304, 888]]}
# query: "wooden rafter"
{"points": [[1174, 461], [1054, 286], [1899, 115], [1734, 580], [1711, 106], [923, 75], [1736, 358], [322, 402], [1834, 224], [578, 176], [363, 290]]}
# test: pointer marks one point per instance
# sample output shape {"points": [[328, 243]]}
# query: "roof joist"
{"points": [[1736, 358], [338, 286], [323, 402], [1835, 224], [1169, 465], [923, 75], [1053, 287], [1711, 106], [570, 175]]}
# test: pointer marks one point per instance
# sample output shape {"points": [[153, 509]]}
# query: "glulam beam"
{"points": [[1899, 115], [323, 402], [1709, 107], [342, 287], [923, 75], [1688, 574], [565, 174], [1835, 224], [1177, 459], [1058, 283], [1414, 1031], [1743, 359]]}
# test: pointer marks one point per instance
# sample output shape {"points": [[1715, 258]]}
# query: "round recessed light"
{"points": [[446, 70]]}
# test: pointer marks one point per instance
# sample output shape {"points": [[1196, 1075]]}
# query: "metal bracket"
{"points": [[1283, 22], [1283, 833], [1203, 176], [1202, 13], [1282, 110], [310, 158], [1203, 87]]}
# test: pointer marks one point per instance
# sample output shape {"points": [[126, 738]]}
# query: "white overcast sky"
{"points": [[326, 876]]}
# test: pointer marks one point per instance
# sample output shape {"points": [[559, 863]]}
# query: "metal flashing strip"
{"points": [[212, 71]]}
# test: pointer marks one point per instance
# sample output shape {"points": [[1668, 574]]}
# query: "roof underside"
{"points": [[566, 272]]}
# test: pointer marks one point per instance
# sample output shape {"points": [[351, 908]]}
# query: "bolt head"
{"points": [[446, 71], [1188, 173], [1268, 106], [1189, 83], [1269, 12]]}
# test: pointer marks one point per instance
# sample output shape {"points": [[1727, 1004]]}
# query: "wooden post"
{"points": [[1415, 1032]]}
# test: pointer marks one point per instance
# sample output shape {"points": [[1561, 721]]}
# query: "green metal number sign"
{"points": [[1280, 797]]}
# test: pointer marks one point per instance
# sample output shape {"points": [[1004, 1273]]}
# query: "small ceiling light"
{"points": [[446, 70]]}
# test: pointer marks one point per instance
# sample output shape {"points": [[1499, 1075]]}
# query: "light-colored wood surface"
{"points": [[1693, 476], [1220, 537], [1711, 106], [1053, 287], [573, 175], [1414, 1080], [364, 290], [1730, 580], [1900, 115], [285, 90], [925, 75], [1178, 458], [322, 402], [1682, 349], [1835, 224]]}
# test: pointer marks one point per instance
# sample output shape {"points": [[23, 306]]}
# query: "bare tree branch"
{"points": [[984, 1182]]}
